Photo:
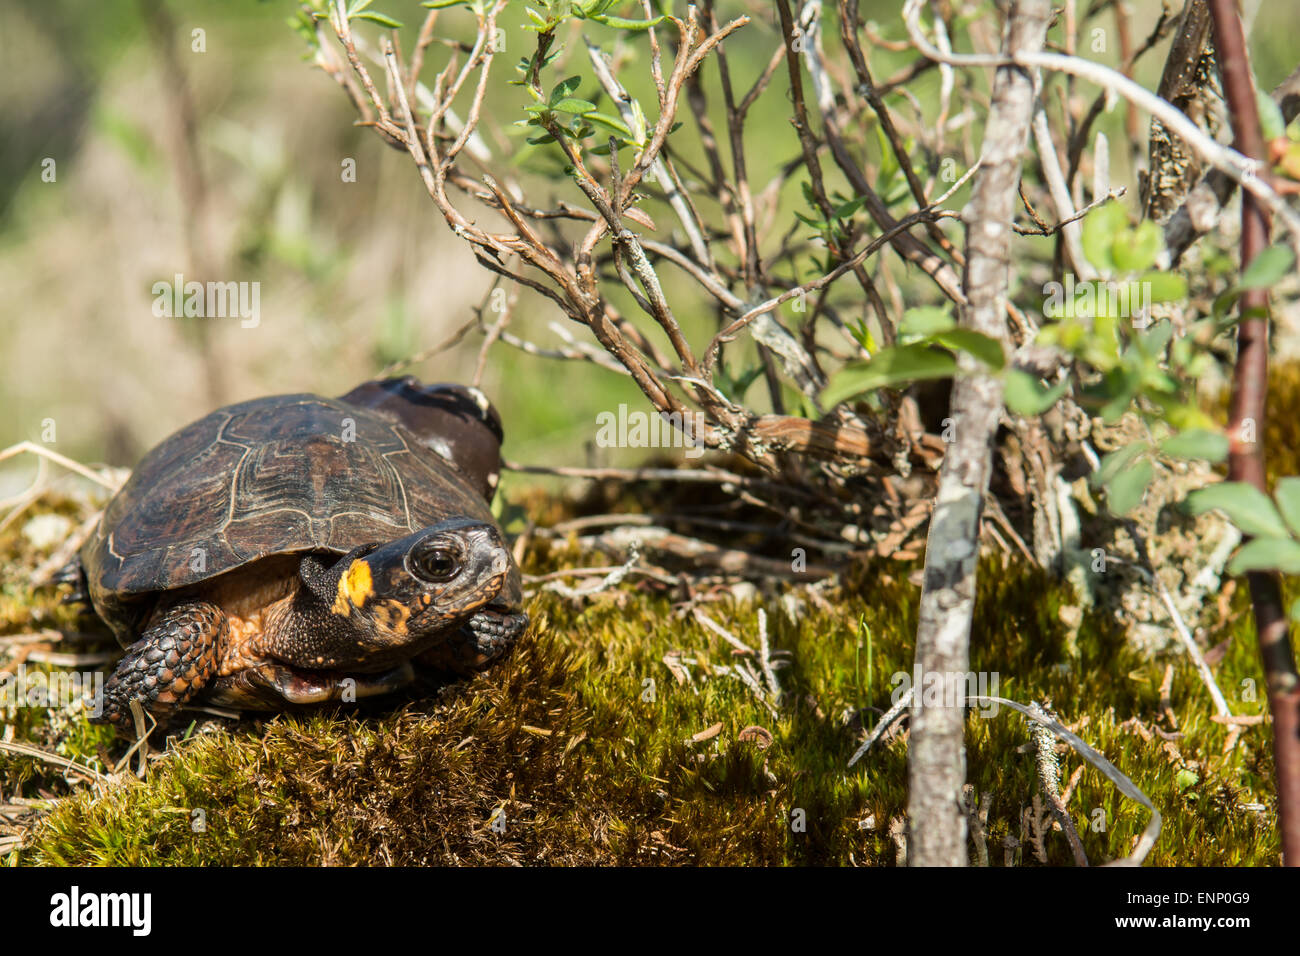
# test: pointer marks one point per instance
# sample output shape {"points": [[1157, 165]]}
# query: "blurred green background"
{"points": [[353, 275]]}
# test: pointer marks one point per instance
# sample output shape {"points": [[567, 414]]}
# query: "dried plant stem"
{"points": [[937, 757]]}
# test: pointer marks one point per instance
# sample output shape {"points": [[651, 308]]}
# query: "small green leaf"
{"points": [[383, 19], [1248, 507], [1164, 286], [1134, 250], [578, 107], [1124, 491], [1099, 230], [1267, 554], [905, 363], [622, 23], [926, 320], [611, 123], [564, 88], [1271, 123], [1116, 460], [444, 4], [1026, 395], [847, 210], [985, 348], [1267, 268], [1197, 443], [1287, 495]]}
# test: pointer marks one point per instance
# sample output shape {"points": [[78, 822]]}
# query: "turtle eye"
{"points": [[436, 564]]}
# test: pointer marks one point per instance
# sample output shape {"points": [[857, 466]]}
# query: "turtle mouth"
{"points": [[272, 684]]}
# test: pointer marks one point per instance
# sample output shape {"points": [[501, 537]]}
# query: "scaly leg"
{"points": [[168, 665]]}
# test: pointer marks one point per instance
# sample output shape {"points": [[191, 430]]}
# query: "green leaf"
{"points": [[383, 19], [847, 210], [1197, 443], [1267, 554], [1165, 286], [564, 88], [1116, 460], [444, 4], [1287, 495], [1099, 230], [1267, 268], [1025, 395], [985, 348], [611, 123], [926, 320], [622, 23], [356, 6], [905, 363], [579, 107], [1271, 123], [1248, 507], [1136, 249], [888, 160], [1124, 491]]}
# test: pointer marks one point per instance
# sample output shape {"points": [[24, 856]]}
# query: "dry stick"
{"points": [[1184, 635], [891, 717], [613, 577], [1071, 229], [1246, 458], [936, 758], [899, 227], [1243, 170], [494, 333], [451, 341], [579, 299], [57, 760], [1113, 773], [867, 89], [574, 350], [676, 198], [1204, 203], [1049, 779], [34, 449]]}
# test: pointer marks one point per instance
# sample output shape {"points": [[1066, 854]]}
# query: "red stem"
{"points": [[1246, 423]]}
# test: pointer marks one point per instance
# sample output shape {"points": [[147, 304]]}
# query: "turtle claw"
{"points": [[477, 645]]}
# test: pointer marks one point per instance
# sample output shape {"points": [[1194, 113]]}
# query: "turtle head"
{"points": [[402, 595]]}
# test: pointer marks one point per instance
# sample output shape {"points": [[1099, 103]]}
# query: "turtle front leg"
{"points": [[170, 663]]}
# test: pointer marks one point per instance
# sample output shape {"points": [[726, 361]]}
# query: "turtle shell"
{"points": [[272, 476]]}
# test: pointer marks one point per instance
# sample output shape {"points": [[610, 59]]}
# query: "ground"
{"points": [[578, 759], [620, 733]]}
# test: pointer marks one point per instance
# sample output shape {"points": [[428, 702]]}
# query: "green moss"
{"points": [[590, 763]]}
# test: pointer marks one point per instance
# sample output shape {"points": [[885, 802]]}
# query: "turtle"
{"points": [[294, 550]]}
